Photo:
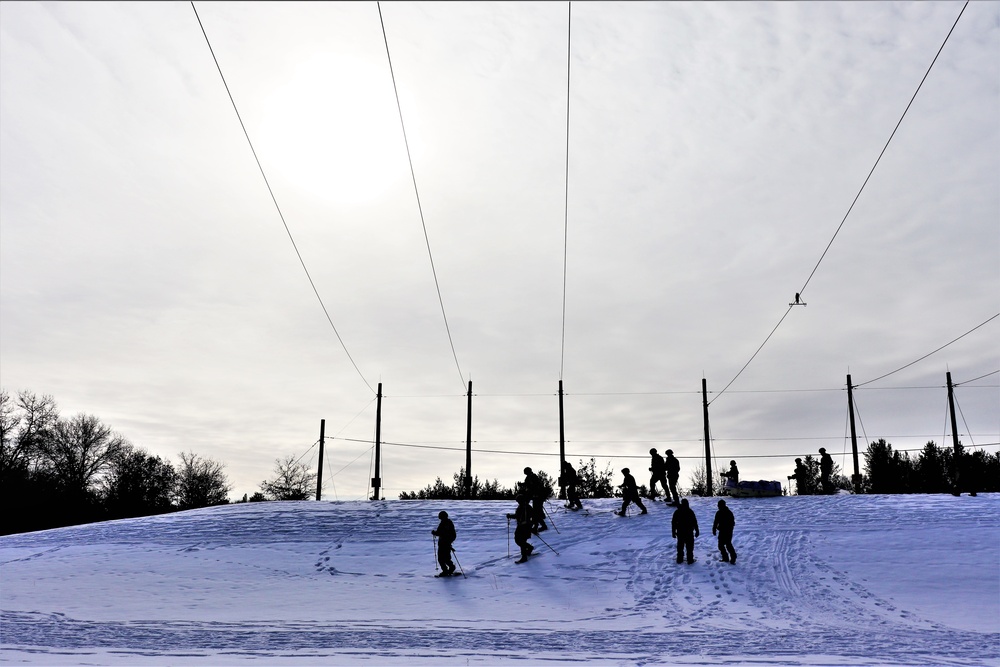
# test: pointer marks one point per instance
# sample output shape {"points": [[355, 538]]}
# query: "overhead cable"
{"points": [[569, 52], [932, 352], [803, 288], [275, 200], [855, 201], [416, 191], [955, 384]]}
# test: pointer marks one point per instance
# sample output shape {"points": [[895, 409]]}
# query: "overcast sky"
{"points": [[146, 276]]}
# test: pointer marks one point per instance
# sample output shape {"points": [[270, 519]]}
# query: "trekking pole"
{"points": [[460, 569], [436, 568], [546, 544], [508, 537], [549, 517]]}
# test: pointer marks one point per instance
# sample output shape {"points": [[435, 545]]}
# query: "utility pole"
{"points": [[708, 439], [562, 444], [957, 459], [856, 477], [319, 470], [377, 479], [468, 447]]}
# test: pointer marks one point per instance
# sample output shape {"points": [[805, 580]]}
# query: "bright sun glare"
{"points": [[333, 130]]}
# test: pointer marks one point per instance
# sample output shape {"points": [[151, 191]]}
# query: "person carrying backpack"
{"points": [[524, 528], [630, 493], [569, 480], [684, 526], [535, 490], [658, 470], [445, 532], [673, 474], [723, 525]]}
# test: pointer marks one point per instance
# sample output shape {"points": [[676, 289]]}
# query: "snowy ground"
{"points": [[837, 580]]}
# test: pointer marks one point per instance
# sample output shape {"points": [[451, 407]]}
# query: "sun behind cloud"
{"points": [[333, 130]]}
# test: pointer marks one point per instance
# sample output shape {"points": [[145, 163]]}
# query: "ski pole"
{"points": [[546, 544], [460, 568], [436, 568], [549, 517], [508, 537]]}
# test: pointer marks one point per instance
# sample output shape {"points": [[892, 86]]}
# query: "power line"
{"points": [[275, 200], [955, 384], [851, 207], [934, 351], [585, 455], [416, 192], [753, 355], [900, 122], [569, 52]]}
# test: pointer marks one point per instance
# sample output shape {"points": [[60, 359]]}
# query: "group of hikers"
{"points": [[529, 516], [801, 475]]}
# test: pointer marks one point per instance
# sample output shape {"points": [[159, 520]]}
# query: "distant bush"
{"points": [[456, 490], [934, 470]]}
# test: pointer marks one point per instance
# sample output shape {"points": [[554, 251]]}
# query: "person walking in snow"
{"points": [[673, 474], [684, 527], [569, 480], [723, 526], [445, 534], [801, 477], [825, 470], [658, 473], [630, 493], [535, 490], [524, 527]]}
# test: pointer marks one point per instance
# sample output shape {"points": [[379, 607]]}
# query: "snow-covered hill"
{"points": [[838, 580]]}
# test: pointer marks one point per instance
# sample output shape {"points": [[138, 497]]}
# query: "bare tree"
{"points": [[699, 480], [201, 482], [138, 484], [24, 428], [79, 451], [292, 481]]}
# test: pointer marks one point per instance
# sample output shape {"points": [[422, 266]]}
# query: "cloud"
{"points": [[714, 149]]}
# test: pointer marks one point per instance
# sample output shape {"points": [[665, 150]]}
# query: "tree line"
{"points": [[593, 483], [934, 469], [60, 471]]}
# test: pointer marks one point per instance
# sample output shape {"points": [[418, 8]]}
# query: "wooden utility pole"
{"points": [[468, 447], [377, 479], [562, 443], [856, 477], [708, 439], [319, 470], [957, 458]]}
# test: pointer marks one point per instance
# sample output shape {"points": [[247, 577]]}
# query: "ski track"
{"points": [[57, 633], [781, 600]]}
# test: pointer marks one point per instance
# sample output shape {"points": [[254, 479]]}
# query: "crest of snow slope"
{"points": [[837, 580]]}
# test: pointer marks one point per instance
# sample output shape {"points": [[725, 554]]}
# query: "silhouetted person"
{"points": [[673, 474], [525, 525], [630, 493], [684, 526], [445, 532], [801, 477], [535, 490], [658, 473], [732, 476], [570, 479], [825, 470], [723, 525]]}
